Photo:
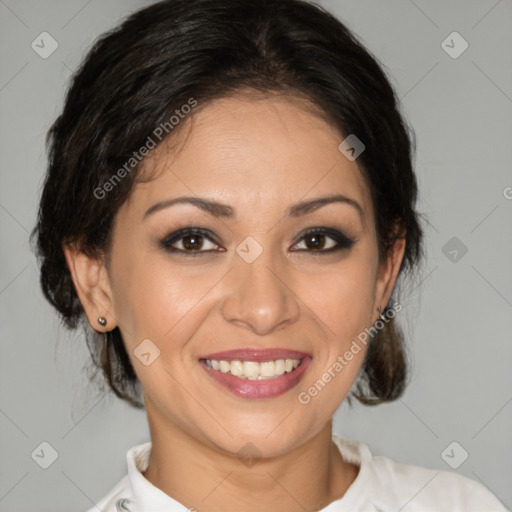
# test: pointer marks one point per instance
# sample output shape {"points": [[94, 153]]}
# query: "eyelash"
{"points": [[343, 241]]}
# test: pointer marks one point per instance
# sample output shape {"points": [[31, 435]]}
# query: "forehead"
{"points": [[244, 151]]}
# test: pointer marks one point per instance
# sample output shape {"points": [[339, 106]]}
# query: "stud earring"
{"points": [[381, 316], [102, 321]]}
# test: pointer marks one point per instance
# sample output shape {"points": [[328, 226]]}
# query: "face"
{"points": [[258, 274]]}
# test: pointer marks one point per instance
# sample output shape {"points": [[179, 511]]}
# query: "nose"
{"points": [[260, 295]]}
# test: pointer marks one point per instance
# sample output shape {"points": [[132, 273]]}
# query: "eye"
{"points": [[189, 241], [316, 240], [196, 241]]}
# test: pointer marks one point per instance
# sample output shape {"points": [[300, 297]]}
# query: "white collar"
{"points": [[148, 498], [144, 494]]}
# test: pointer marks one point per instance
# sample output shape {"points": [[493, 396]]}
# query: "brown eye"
{"points": [[315, 241], [189, 241], [192, 242], [320, 240]]}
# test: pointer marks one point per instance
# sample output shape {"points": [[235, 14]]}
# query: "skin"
{"points": [[260, 157]]}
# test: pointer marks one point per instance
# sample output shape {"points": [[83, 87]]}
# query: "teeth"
{"points": [[224, 366], [254, 371]]}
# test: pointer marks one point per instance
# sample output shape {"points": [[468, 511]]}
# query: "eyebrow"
{"points": [[217, 209]]}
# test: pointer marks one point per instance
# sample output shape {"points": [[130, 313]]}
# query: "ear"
{"points": [[92, 285], [388, 271]]}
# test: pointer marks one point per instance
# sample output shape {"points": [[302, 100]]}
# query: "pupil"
{"points": [[192, 245], [316, 239]]}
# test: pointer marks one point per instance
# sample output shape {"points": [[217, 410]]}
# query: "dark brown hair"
{"points": [[140, 73]]}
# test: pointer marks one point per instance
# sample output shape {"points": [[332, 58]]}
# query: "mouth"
{"points": [[256, 373]]}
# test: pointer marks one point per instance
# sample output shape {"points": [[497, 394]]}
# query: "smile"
{"points": [[265, 378], [253, 370]]}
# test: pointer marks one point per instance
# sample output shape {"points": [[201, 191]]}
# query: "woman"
{"points": [[229, 204]]}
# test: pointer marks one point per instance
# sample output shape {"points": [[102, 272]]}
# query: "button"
{"points": [[122, 505]]}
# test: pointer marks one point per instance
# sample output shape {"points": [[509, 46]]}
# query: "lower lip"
{"points": [[259, 388]]}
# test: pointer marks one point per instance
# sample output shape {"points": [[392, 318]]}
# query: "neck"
{"points": [[199, 476]]}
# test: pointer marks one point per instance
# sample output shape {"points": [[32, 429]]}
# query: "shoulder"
{"points": [[109, 502], [123, 494], [409, 488], [418, 488]]}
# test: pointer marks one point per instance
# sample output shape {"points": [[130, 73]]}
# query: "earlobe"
{"points": [[92, 285]]}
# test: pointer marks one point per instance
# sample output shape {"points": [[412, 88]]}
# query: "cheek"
{"points": [[152, 297], [342, 298]]}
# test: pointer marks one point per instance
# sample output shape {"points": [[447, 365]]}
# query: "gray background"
{"points": [[457, 321]]}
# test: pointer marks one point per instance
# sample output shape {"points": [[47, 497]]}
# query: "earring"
{"points": [[381, 316], [102, 321]]}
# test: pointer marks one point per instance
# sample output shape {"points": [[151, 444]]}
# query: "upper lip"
{"points": [[257, 355]]}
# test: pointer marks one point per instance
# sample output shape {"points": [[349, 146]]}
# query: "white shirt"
{"points": [[381, 485]]}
